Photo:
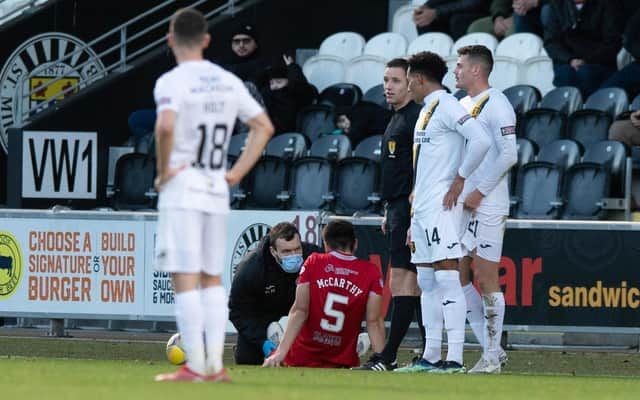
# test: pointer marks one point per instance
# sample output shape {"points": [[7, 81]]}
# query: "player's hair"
{"points": [[428, 64], [189, 26], [478, 54], [283, 230], [339, 235], [398, 63]]}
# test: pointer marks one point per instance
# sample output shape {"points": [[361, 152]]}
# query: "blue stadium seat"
{"points": [[340, 95], [522, 97], [331, 147], [564, 153], [369, 148], [586, 184], [612, 101], [588, 127], [310, 184], [613, 155], [357, 184], [542, 126], [538, 191], [289, 146], [565, 99]]}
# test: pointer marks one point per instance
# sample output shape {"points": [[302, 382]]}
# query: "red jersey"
{"points": [[340, 286]]}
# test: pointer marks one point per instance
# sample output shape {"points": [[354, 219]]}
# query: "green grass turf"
{"points": [[43, 368]]}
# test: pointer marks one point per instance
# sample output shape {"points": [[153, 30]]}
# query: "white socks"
{"points": [[475, 312], [216, 313], [494, 318], [454, 308], [431, 314], [190, 321], [199, 311]]}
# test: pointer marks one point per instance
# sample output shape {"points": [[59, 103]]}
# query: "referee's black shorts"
{"points": [[398, 222]]}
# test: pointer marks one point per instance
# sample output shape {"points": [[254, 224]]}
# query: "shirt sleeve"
{"points": [[305, 272], [503, 130], [248, 107], [376, 283], [477, 138], [167, 96]]}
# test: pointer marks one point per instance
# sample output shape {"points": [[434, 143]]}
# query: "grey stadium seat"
{"points": [[376, 95], [266, 183], [357, 181], [565, 99], [542, 126], [612, 100], [538, 191], [331, 147], [522, 97], [369, 148], [310, 184], [564, 153], [340, 95], [236, 144], [133, 182], [588, 126], [315, 121], [586, 184], [526, 153], [289, 146], [613, 155]]}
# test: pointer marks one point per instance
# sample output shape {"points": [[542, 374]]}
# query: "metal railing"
{"points": [[17, 11], [143, 39]]}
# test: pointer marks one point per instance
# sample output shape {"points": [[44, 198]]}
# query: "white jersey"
{"points": [[439, 147], [207, 99], [494, 112]]}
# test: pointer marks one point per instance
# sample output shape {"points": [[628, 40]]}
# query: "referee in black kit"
{"points": [[397, 182]]}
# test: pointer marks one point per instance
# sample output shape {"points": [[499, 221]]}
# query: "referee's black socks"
{"points": [[404, 308]]}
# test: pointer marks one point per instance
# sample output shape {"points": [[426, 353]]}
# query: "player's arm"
{"points": [[297, 317], [504, 136], [478, 144], [375, 322]]}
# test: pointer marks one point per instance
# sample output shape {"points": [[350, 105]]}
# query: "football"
{"points": [[175, 350], [364, 343]]}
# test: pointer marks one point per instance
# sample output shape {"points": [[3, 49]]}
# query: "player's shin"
{"points": [[214, 301], [431, 314], [189, 318], [494, 316], [475, 312], [454, 307]]}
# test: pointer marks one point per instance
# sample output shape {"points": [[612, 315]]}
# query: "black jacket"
{"points": [[262, 292], [632, 35], [593, 34], [446, 8], [284, 104]]}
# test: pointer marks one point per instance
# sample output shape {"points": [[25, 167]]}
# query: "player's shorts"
{"points": [[435, 235], [484, 233], [190, 241], [398, 222]]}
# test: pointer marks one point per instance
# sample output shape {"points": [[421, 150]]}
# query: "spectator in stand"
{"points": [[583, 38], [246, 61], [448, 16], [628, 77], [362, 120], [627, 131], [529, 16], [287, 93], [499, 23]]}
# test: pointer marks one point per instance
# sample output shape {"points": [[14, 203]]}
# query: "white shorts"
{"points": [[435, 236], [190, 241], [484, 233]]}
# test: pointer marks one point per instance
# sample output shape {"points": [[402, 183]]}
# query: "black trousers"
{"points": [[247, 353]]}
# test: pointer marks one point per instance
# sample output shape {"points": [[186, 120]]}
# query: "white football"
{"points": [[275, 332], [364, 343]]}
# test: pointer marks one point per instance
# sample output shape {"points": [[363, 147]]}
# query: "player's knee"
{"points": [[426, 279]]}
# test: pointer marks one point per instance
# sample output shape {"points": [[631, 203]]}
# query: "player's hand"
{"points": [[424, 16], [166, 176], [451, 198], [274, 361], [232, 178], [472, 202]]}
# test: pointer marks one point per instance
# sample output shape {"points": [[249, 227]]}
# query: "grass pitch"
{"points": [[95, 370]]}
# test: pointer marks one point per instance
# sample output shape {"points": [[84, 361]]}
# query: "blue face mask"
{"points": [[292, 263]]}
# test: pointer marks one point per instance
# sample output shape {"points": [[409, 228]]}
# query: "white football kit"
{"points": [[193, 206], [484, 231], [439, 155]]}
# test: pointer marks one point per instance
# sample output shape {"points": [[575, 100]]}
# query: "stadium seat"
{"points": [[331, 147], [288, 146], [538, 72], [315, 121], [357, 181], [387, 45], [236, 144], [612, 100], [460, 94], [613, 155], [133, 182], [542, 126], [586, 185], [346, 45], [635, 105], [324, 70], [519, 46], [340, 95], [485, 39], [266, 184], [522, 97], [369, 148], [588, 126], [365, 71], [310, 184], [526, 153], [538, 191], [449, 80], [505, 73], [436, 42], [564, 153], [376, 95], [565, 99], [623, 58], [236, 192], [403, 24]]}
